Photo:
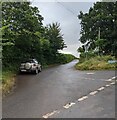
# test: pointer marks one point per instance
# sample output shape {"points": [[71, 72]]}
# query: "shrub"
{"points": [[65, 58]]}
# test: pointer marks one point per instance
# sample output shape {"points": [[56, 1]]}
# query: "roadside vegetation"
{"points": [[66, 58], [98, 37], [24, 36], [8, 82], [96, 63]]}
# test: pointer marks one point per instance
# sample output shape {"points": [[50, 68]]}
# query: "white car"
{"points": [[31, 65]]}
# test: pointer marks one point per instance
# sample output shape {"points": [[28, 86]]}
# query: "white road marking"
{"points": [[69, 105], [112, 83], [107, 85], [82, 98], [89, 79], [114, 77], [102, 88], [50, 114], [93, 93], [90, 73], [109, 80]]}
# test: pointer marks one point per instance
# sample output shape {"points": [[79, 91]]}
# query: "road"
{"points": [[46, 94]]}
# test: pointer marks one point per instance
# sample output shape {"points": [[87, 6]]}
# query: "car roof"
{"points": [[30, 60]]}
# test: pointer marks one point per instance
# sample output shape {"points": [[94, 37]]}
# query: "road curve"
{"points": [[51, 89]]}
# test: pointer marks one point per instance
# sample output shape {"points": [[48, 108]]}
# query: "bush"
{"points": [[87, 55], [65, 58]]}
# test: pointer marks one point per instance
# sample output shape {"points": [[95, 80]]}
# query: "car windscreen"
{"points": [[29, 61]]}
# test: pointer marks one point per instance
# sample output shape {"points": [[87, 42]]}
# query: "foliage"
{"points": [[53, 34], [22, 26], [65, 58], [87, 55], [24, 36], [96, 63], [99, 28], [4, 42], [8, 80]]}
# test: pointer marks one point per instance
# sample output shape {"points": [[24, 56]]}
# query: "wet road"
{"points": [[50, 90]]}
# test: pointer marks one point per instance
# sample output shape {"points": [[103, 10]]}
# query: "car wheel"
{"points": [[36, 71], [40, 69]]}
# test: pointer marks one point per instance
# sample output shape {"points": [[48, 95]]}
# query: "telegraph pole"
{"points": [[99, 39], [99, 34]]}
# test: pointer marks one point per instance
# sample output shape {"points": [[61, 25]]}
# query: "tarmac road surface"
{"points": [[62, 92]]}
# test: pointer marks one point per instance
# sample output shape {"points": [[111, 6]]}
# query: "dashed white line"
{"points": [[112, 83], [114, 77], [93, 93], [50, 114], [90, 73], [102, 88], [69, 105], [109, 80], [107, 85], [82, 98]]}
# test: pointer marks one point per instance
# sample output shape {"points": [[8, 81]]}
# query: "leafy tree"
{"points": [[102, 15], [4, 42], [24, 21], [23, 27], [53, 34], [81, 49]]}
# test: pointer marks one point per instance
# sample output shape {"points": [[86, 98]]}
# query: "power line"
{"points": [[68, 9]]}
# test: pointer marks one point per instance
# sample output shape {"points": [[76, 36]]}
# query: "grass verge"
{"points": [[8, 82], [96, 63]]}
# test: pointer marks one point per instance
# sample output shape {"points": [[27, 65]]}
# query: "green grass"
{"points": [[8, 81], [96, 63]]}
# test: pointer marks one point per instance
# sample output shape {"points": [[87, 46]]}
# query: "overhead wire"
{"points": [[68, 9], [65, 7]]}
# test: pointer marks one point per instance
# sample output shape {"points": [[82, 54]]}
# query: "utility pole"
{"points": [[99, 40], [86, 51], [99, 34]]}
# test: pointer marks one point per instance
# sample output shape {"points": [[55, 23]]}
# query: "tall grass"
{"points": [[8, 82], [96, 63]]}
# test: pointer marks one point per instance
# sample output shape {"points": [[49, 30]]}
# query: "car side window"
{"points": [[35, 61]]}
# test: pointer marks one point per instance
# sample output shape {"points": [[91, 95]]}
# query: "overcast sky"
{"points": [[66, 14]]}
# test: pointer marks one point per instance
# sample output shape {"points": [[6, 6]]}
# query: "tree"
{"points": [[24, 21], [102, 15], [4, 42], [53, 34], [23, 27]]}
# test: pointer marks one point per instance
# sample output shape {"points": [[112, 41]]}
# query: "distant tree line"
{"points": [[24, 36], [99, 29]]}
